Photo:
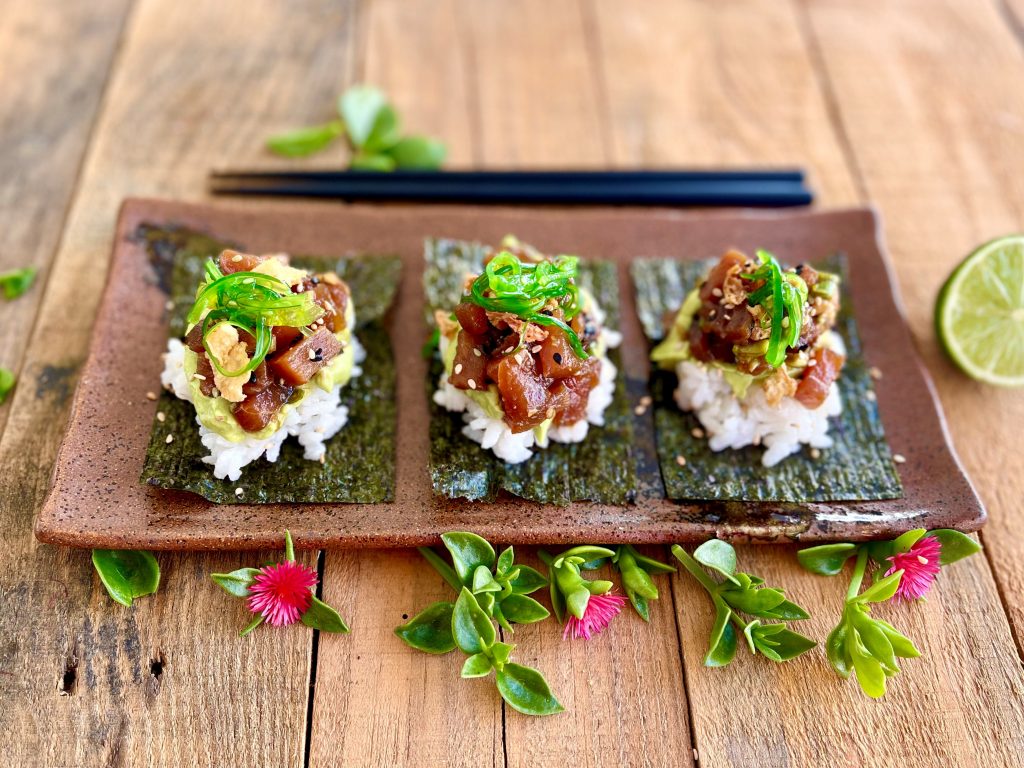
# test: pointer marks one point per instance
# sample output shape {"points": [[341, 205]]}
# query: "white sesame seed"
{"points": [[198, 376], [236, 258], [640, 410], [161, 417], [458, 369], [811, 363], [312, 355], [815, 454], [922, 560], [472, 383], [875, 373], [477, 352], [239, 491], [899, 458], [697, 432], [151, 395], [170, 439], [716, 292], [711, 478], [169, 306], [536, 349], [681, 460], [646, 400], [871, 395]]}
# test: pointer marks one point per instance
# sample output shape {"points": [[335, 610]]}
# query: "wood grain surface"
{"points": [[915, 107]]}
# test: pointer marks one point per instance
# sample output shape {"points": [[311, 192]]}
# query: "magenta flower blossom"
{"points": [[601, 609], [282, 592], [920, 566]]}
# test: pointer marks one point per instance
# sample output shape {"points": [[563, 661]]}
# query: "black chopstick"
{"points": [[783, 187]]}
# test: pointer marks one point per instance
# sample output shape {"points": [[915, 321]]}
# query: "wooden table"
{"points": [[915, 107]]}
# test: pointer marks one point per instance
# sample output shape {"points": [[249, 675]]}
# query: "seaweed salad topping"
{"points": [[527, 291]]}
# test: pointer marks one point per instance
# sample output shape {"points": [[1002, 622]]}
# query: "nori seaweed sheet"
{"points": [[359, 465], [857, 467], [602, 468]]}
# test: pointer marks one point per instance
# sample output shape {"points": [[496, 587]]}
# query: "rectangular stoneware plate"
{"points": [[97, 499]]}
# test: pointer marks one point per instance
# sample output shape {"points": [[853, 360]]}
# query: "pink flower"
{"points": [[920, 566], [601, 609], [282, 592]]}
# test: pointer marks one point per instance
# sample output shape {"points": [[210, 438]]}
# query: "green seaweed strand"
{"points": [[252, 302], [782, 299], [509, 285]]}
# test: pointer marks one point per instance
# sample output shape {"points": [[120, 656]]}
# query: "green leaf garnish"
{"points": [[15, 282], [126, 574], [385, 133], [321, 616], [636, 570], [7, 381], [430, 630], [743, 593], [236, 583], [477, 665], [526, 690], [252, 302], [305, 141], [471, 627], [369, 161], [468, 551], [418, 152], [359, 107], [954, 545], [509, 285]]}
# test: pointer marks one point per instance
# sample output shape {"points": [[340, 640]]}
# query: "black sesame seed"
{"points": [[557, 357]]}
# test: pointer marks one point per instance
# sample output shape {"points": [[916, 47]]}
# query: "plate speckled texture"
{"points": [[97, 500]]}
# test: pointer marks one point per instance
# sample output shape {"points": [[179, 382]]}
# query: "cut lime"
{"points": [[979, 316]]}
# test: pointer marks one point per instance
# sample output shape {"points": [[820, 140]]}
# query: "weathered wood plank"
{"points": [[744, 90], [46, 115], [536, 87], [196, 85]]}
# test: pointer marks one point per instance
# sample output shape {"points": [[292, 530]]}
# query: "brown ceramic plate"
{"points": [[97, 499]]}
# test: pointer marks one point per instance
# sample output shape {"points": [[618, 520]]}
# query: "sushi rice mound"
{"points": [[495, 435], [315, 419], [732, 422]]}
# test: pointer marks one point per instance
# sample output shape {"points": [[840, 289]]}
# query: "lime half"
{"points": [[979, 316]]}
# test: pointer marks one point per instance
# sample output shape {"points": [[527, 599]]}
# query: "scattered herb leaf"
{"points": [[7, 381], [126, 574], [15, 282], [305, 141]]}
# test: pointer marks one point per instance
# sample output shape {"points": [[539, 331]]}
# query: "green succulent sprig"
{"points": [[742, 593], [373, 128], [501, 587], [636, 571], [491, 588], [861, 644], [570, 591]]}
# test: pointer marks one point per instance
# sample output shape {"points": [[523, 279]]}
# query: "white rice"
{"points": [[734, 423], [495, 435], [313, 420]]}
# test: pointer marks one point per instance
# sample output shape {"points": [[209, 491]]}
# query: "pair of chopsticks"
{"points": [[761, 188]]}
